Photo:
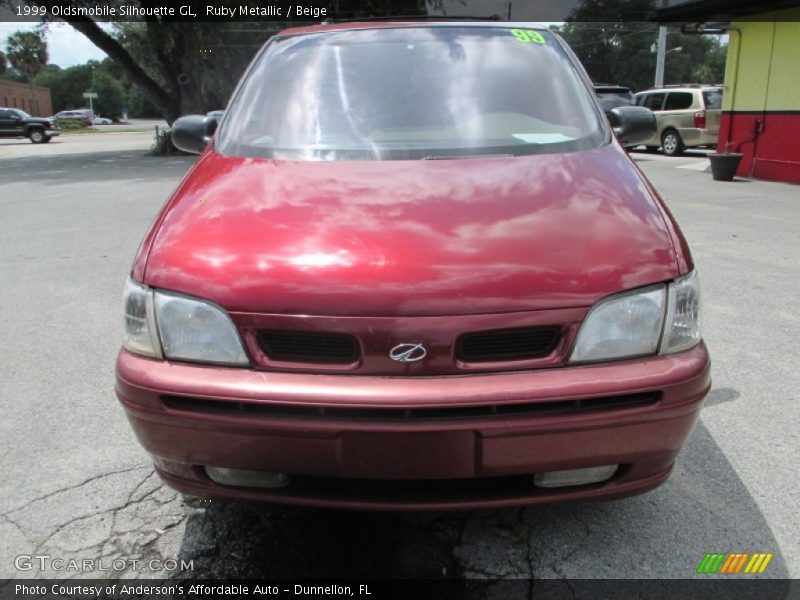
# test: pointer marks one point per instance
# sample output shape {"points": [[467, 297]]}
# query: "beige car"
{"points": [[687, 116]]}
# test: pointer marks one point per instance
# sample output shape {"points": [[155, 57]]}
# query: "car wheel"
{"points": [[47, 138], [671, 143], [37, 136]]}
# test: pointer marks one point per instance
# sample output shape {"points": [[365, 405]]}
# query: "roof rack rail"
{"points": [[414, 18]]}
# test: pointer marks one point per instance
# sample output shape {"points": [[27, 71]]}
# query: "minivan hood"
{"points": [[416, 237]]}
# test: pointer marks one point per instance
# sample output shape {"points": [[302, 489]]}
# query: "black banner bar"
{"points": [[442, 589]]}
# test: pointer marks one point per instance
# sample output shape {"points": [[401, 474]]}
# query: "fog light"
{"points": [[551, 479], [242, 478]]}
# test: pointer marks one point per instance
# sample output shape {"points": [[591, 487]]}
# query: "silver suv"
{"points": [[687, 116]]}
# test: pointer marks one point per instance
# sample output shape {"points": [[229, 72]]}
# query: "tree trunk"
{"points": [[30, 88], [167, 103]]}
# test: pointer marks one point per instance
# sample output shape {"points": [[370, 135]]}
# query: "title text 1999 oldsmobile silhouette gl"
{"points": [[413, 268]]}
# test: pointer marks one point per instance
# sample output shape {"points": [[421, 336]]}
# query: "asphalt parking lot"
{"points": [[77, 484]]}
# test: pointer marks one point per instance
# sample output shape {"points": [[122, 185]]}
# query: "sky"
{"points": [[66, 46]]}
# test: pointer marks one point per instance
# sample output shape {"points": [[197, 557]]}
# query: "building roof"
{"points": [[720, 10]]}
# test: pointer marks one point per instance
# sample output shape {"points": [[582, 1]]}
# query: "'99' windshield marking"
{"points": [[526, 36]]}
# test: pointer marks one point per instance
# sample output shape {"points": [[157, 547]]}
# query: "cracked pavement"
{"points": [[77, 485]]}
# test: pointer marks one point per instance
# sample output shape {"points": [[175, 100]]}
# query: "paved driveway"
{"points": [[76, 483]]}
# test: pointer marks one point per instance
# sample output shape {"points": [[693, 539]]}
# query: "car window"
{"points": [[412, 92], [678, 100], [713, 99], [654, 101], [4, 114]]}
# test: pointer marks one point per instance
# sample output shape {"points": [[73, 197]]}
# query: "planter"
{"points": [[723, 166]]}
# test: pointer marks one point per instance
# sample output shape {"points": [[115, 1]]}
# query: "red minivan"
{"points": [[413, 269]]}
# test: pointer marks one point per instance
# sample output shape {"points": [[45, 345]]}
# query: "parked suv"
{"points": [[406, 274], [16, 123], [687, 116]]}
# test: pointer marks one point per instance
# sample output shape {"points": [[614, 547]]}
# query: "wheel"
{"points": [[651, 149], [671, 143], [47, 138], [37, 136]]}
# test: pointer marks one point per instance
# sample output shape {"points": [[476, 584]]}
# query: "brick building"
{"points": [[18, 95]]}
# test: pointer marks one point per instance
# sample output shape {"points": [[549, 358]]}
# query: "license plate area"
{"points": [[413, 455]]}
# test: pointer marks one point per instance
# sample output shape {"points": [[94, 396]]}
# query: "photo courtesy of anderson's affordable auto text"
{"points": [[403, 299]]}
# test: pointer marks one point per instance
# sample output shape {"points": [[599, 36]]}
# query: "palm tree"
{"points": [[27, 53]]}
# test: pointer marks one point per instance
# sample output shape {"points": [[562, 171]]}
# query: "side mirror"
{"points": [[633, 125], [193, 133]]}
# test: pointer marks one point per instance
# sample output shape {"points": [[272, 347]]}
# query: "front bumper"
{"points": [[415, 442], [52, 132]]}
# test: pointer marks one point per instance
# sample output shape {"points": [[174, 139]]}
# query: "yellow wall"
{"points": [[763, 66]]}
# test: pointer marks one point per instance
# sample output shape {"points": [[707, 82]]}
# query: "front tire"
{"points": [[47, 138], [37, 136], [671, 143]]}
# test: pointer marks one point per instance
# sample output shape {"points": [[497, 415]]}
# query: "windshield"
{"points": [[21, 113], [410, 93]]}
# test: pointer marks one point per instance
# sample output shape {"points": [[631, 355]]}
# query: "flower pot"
{"points": [[723, 166]]}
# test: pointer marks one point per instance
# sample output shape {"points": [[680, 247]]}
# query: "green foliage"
{"points": [[110, 95], [212, 57], [3, 64], [66, 85], [616, 50], [27, 52], [72, 126], [162, 144], [138, 104]]}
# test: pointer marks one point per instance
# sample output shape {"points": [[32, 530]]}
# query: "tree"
{"points": [[184, 67], [66, 85], [614, 49], [3, 64], [27, 53], [110, 95]]}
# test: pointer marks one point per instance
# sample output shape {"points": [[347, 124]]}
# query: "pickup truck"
{"points": [[16, 123]]}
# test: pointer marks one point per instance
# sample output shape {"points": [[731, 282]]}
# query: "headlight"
{"points": [[168, 325], [622, 326], [658, 319], [137, 307], [682, 326], [198, 331]]}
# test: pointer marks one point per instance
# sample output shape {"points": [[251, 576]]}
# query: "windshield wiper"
{"points": [[456, 156]]}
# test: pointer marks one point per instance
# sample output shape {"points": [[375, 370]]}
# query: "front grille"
{"points": [[225, 408], [308, 347], [507, 344]]}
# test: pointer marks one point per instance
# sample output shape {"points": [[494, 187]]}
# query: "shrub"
{"points": [[72, 125], [162, 143]]}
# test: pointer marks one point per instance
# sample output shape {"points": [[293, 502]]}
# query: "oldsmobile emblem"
{"points": [[408, 353]]}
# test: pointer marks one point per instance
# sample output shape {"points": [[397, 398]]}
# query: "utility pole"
{"points": [[661, 50]]}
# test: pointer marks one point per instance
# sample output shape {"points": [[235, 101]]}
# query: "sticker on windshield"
{"points": [[526, 36], [542, 138]]}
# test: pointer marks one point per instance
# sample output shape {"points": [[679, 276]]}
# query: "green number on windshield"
{"points": [[527, 36]]}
